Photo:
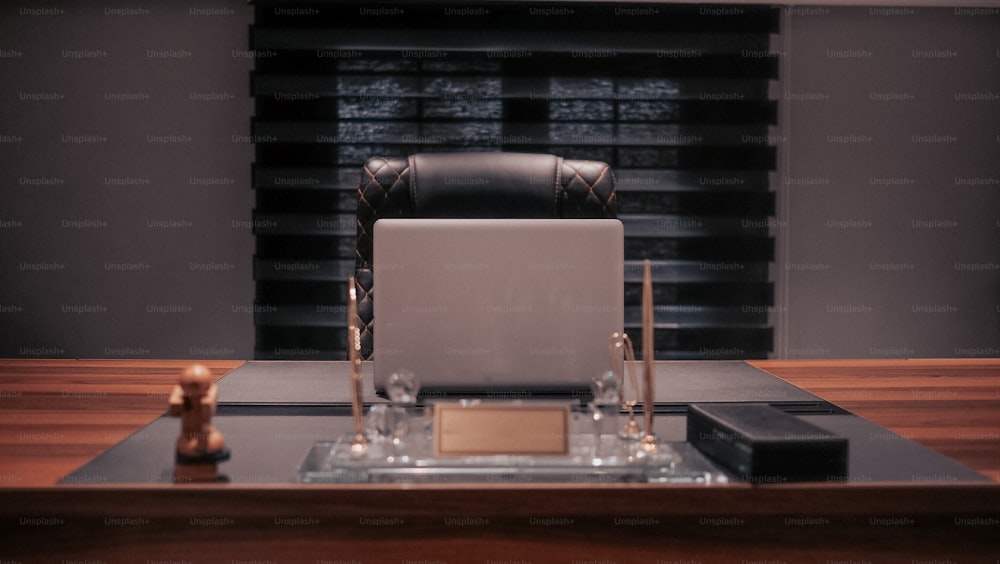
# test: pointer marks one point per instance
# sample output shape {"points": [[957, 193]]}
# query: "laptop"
{"points": [[506, 308]]}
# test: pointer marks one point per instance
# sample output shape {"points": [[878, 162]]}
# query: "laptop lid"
{"points": [[502, 307]]}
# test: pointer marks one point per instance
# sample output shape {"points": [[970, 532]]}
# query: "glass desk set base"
{"points": [[594, 457]]}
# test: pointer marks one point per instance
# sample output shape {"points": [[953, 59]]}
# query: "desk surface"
{"points": [[273, 412], [57, 415]]}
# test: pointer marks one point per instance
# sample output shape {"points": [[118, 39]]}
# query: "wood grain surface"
{"points": [[56, 415], [949, 405]]}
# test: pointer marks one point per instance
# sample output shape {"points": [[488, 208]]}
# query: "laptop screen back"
{"points": [[497, 306]]}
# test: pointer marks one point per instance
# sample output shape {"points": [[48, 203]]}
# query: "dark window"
{"points": [[674, 97]]}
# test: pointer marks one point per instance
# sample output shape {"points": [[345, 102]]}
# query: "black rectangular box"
{"points": [[765, 445]]}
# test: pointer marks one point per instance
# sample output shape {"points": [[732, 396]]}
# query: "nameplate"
{"points": [[486, 429]]}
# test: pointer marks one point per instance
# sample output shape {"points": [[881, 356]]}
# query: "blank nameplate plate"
{"points": [[486, 429]]}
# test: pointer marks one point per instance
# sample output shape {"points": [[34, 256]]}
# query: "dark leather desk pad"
{"points": [[328, 383], [272, 412]]}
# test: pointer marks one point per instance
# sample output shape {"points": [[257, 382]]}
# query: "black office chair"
{"points": [[472, 185]]}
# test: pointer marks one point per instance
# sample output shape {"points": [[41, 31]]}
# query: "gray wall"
{"points": [[889, 188], [125, 194], [125, 200]]}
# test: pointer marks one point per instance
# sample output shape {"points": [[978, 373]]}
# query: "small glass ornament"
{"points": [[605, 413], [402, 387], [386, 423]]}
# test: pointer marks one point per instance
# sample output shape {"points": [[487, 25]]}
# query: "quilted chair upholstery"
{"points": [[486, 185]]}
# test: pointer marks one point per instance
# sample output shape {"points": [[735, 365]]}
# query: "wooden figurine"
{"points": [[200, 446]]}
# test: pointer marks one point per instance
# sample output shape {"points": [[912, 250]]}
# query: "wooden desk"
{"points": [[951, 406], [56, 415]]}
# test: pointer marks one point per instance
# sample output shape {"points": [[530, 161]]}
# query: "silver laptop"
{"points": [[503, 307]]}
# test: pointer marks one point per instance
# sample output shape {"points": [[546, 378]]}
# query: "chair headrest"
{"points": [[519, 185]]}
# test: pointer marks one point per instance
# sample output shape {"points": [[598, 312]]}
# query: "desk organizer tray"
{"points": [[590, 460]]}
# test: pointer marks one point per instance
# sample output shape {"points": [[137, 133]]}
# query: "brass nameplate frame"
{"points": [[486, 429]]}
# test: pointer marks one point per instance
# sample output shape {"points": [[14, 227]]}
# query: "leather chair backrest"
{"points": [[477, 185]]}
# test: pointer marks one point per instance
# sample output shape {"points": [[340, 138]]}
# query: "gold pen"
{"points": [[649, 375], [358, 446]]}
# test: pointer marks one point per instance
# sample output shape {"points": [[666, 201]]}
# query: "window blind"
{"points": [[673, 97]]}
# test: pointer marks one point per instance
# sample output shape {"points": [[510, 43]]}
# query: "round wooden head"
{"points": [[196, 379]]}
